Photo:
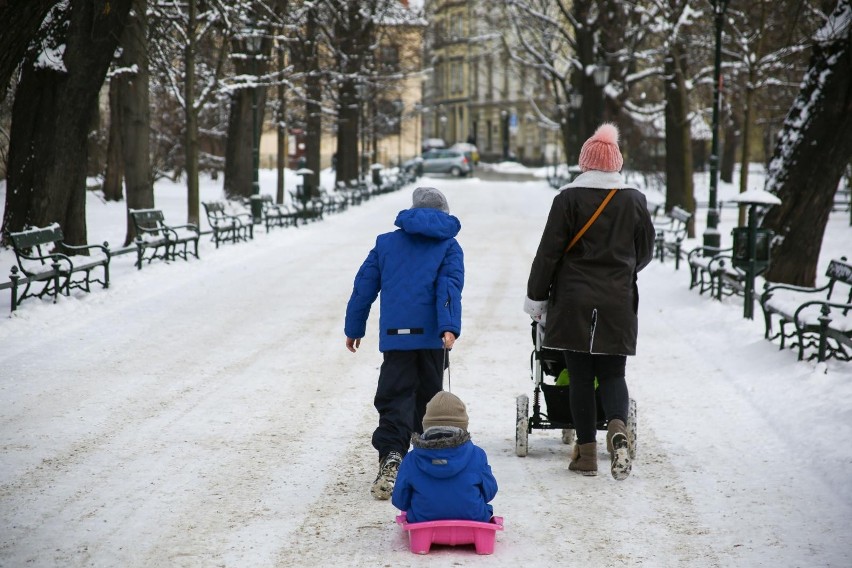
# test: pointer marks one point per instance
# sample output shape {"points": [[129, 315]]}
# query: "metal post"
{"points": [[255, 183], [748, 303], [712, 238]]}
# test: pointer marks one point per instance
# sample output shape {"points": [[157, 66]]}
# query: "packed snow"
{"points": [[206, 412]]}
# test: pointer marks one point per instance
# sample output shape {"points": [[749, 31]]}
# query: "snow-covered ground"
{"points": [[206, 413]]}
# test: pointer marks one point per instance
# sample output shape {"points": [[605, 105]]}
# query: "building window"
{"points": [[456, 76], [389, 56]]}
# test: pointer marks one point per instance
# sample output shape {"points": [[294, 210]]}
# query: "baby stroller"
{"points": [[556, 414]]}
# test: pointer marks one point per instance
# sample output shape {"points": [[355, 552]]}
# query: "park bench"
{"points": [[671, 233], [333, 202], [152, 234], [276, 215], [310, 209], [350, 191], [821, 317], [705, 263], [50, 271], [228, 226]]}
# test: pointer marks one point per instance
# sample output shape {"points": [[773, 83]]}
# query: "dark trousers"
{"points": [[407, 381], [609, 370]]}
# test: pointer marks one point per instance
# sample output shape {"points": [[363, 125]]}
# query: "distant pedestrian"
{"points": [[446, 475], [419, 270], [587, 297]]}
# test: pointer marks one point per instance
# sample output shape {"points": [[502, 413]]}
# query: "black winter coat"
{"points": [[593, 299]]}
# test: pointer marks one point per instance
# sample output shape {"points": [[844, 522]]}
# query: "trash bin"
{"points": [[376, 170], [256, 209], [740, 257]]}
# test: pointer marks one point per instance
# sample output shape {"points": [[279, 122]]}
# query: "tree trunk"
{"points": [[21, 22], [729, 149], [313, 93], [114, 173], [136, 116], [240, 142], [745, 158], [679, 187], [347, 133], [51, 117], [191, 113], [281, 128], [814, 148]]}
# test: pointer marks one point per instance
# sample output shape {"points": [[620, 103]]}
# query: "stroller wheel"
{"points": [[631, 428], [522, 423], [567, 435]]}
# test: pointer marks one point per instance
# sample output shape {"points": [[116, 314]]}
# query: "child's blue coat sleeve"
{"points": [[489, 483], [364, 293], [449, 290], [402, 490]]}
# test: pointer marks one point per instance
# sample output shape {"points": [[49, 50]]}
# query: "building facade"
{"points": [[473, 91]]}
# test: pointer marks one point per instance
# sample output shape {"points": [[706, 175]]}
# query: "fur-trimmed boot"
{"points": [[584, 459], [619, 449]]}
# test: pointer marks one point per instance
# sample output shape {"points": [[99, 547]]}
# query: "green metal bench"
{"points": [[226, 226], [152, 234], [821, 317], [52, 272], [671, 233], [276, 215]]}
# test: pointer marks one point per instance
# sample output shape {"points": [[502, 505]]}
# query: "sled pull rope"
{"points": [[447, 367]]}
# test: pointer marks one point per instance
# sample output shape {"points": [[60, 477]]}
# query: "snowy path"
{"points": [[208, 414]]}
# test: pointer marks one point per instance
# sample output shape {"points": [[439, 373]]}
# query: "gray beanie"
{"points": [[429, 197], [445, 409]]}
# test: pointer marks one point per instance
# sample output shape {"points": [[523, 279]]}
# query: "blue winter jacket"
{"points": [[419, 270], [440, 483]]}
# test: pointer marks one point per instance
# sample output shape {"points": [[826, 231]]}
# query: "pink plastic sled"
{"points": [[423, 535]]}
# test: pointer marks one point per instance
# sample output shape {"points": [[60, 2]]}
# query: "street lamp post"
{"points": [[712, 237], [254, 42]]}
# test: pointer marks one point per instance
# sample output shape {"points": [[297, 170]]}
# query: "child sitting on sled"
{"points": [[445, 476]]}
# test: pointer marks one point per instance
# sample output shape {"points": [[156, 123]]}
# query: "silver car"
{"points": [[450, 162]]}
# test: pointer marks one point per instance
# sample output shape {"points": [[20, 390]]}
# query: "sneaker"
{"points": [[388, 467]]}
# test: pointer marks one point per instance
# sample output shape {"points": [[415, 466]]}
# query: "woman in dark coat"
{"points": [[587, 299]]}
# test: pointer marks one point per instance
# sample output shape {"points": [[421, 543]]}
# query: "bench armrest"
{"points": [[824, 303], [189, 226], [769, 288], [104, 248]]}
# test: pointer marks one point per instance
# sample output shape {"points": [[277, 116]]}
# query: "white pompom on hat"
{"points": [[600, 152]]}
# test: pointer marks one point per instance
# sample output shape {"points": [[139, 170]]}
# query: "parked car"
{"points": [[469, 150], [446, 162], [433, 144]]}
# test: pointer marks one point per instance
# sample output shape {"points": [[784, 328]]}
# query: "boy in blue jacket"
{"points": [[419, 270], [445, 476]]}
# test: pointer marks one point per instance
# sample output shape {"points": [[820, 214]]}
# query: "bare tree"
{"points": [[54, 106], [814, 149]]}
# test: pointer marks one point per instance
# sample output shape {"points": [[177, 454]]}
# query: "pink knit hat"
{"points": [[600, 152]]}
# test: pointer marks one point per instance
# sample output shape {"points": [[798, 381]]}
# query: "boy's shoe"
{"points": [[388, 467], [619, 450]]}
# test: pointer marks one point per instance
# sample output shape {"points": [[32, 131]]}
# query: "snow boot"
{"points": [[619, 451], [584, 459], [388, 467]]}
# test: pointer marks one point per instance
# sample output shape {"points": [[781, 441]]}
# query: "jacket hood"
{"points": [[428, 222], [445, 455]]}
